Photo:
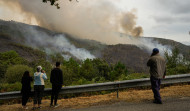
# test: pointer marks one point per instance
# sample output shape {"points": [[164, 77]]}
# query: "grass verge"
{"points": [[129, 95]]}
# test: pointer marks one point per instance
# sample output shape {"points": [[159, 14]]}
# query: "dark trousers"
{"points": [[55, 92], [25, 97], [155, 84], [38, 93]]}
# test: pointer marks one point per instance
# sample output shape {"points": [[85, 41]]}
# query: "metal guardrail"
{"points": [[105, 86]]}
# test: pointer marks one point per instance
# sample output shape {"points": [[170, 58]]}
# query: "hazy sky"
{"points": [[159, 18], [163, 18]]}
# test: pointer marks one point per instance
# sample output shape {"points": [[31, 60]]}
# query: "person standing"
{"points": [[157, 66], [26, 88], [39, 78], [56, 79]]}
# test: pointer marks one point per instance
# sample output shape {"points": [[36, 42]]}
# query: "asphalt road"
{"points": [[170, 104]]}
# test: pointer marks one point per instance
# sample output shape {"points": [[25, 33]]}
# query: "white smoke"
{"points": [[100, 20], [149, 44], [53, 43], [146, 43], [94, 19]]}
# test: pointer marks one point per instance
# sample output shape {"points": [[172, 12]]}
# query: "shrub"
{"points": [[14, 73], [5, 87], [137, 76], [7, 59], [176, 63]]}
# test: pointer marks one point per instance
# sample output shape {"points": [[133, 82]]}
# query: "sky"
{"points": [[168, 19], [163, 18]]}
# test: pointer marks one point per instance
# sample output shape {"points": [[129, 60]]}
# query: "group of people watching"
{"points": [[156, 63], [56, 78]]}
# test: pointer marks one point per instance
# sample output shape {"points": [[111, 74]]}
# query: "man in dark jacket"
{"points": [[157, 66], [56, 79]]}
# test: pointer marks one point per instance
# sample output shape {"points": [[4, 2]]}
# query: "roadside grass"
{"points": [[128, 95]]}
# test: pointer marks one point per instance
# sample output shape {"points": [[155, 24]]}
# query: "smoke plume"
{"points": [[100, 20], [50, 43], [93, 19], [128, 24]]}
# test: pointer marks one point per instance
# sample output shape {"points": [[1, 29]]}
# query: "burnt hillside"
{"points": [[135, 58], [132, 56], [30, 54]]}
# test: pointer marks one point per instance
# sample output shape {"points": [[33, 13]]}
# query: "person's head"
{"points": [[26, 74], [57, 64], [39, 68], [155, 51]]}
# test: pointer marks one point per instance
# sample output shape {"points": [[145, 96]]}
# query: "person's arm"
{"points": [[31, 79], [149, 63], [61, 76], [51, 76], [22, 80], [164, 73], [165, 69], [44, 76]]}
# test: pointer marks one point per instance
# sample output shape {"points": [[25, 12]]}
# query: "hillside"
{"points": [[30, 54], [184, 49], [32, 42], [132, 56]]}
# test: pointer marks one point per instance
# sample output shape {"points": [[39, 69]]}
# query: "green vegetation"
{"points": [[176, 63], [5, 87], [14, 73], [75, 72], [7, 59]]}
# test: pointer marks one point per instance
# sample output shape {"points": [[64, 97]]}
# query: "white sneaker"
{"points": [[24, 107], [57, 105], [51, 105]]}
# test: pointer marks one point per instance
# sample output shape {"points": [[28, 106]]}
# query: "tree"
{"points": [[117, 70], [57, 58], [102, 67], [15, 73], [70, 71], [9, 58], [55, 2], [176, 63], [88, 70]]}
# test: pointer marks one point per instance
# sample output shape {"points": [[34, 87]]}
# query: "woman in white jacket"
{"points": [[39, 78]]}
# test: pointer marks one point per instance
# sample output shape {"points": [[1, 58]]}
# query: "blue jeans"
{"points": [[155, 84]]}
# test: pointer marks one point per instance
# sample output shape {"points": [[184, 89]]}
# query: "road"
{"points": [[170, 104]]}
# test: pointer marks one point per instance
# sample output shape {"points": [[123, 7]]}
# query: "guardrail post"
{"points": [[118, 91]]}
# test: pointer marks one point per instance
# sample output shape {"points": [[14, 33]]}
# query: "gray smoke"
{"points": [[51, 43], [128, 24], [94, 19], [100, 20], [146, 43]]}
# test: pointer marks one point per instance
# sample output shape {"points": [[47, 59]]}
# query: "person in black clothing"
{"points": [[26, 88], [56, 79]]}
